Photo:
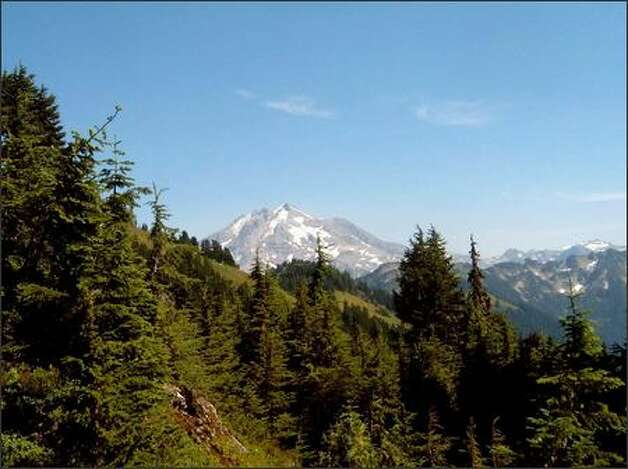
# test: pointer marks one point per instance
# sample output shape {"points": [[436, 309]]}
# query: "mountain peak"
{"points": [[287, 233], [287, 210], [285, 206]]}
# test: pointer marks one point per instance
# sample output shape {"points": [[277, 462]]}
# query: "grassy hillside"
{"points": [[239, 277], [232, 274], [375, 311]]}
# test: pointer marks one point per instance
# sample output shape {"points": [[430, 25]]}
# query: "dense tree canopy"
{"points": [[116, 338]]}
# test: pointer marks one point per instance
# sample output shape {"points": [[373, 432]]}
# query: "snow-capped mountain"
{"points": [[548, 255], [287, 233], [534, 292]]}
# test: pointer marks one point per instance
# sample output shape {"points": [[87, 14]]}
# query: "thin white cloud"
{"points": [[454, 113], [246, 94], [299, 106], [593, 197]]}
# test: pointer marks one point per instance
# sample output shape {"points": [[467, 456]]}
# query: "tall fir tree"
{"points": [[501, 454], [298, 332], [431, 304], [433, 444], [573, 424], [125, 358], [51, 212], [348, 444], [478, 297], [259, 314], [376, 395], [474, 453], [429, 299], [317, 282], [222, 341], [324, 310], [489, 350], [158, 233], [30, 167]]}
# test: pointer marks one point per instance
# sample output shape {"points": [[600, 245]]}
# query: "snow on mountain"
{"points": [[536, 290], [548, 255], [597, 245], [287, 233]]}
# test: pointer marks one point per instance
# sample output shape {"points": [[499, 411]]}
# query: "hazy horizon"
{"points": [[405, 242]]}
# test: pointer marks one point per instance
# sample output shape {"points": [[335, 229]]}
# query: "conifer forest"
{"points": [[127, 344]]}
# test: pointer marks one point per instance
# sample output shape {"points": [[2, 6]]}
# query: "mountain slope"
{"points": [[288, 233], [378, 311], [535, 291]]}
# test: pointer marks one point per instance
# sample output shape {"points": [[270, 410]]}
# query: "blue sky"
{"points": [[505, 120]]}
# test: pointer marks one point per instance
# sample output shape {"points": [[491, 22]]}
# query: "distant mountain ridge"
{"points": [[547, 255], [534, 291], [287, 233]]}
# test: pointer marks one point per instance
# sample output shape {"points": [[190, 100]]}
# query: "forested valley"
{"points": [[139, 345]]}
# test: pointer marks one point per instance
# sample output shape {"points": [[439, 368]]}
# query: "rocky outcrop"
{"points": [[201, 421]]}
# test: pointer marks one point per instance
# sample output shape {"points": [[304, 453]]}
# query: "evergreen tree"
{"points": [[20, 451], [571, 426], [119, 326], [324, 309], [537, 356], [228, 257], [51, 212], [434, 445], [291, 274], [324, 348], [478, 297], [298, 334], [222, 341], [213, 250], [347, 444], [259, 314], [265, 350], [206, 247], [158, 232], [317, 282], [377, 398], [474, 453], [24, 106], [500, 452], [184, 237], [428, 298], [30, 168], [271, 378], [105, 327], [431, 305], [327, 384], [490, 347]]}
